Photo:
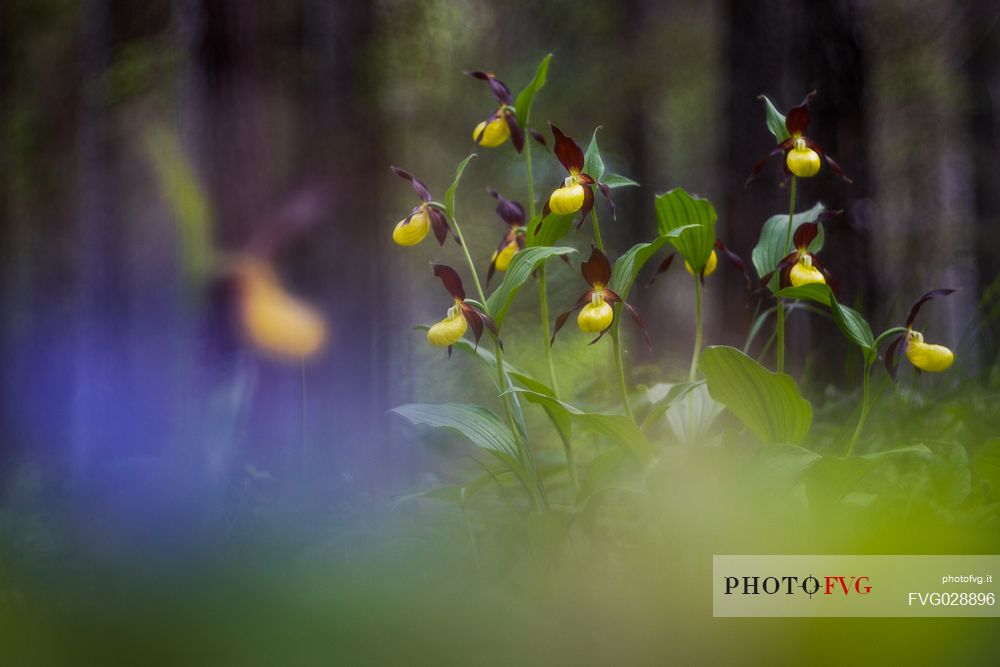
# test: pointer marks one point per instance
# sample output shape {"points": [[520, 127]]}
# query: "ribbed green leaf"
{"points": [[775, 120], [676, 209], [628, 266], [771, 247], [850, 321], [769, 404], [521, 267], [600, 471], [524, 100], [552, 229], [618, 181], [449, 195], [593, 163], [619, 428], [483, 428]]}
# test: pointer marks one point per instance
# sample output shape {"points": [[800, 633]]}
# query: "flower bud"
{"points": [[412, 232], [567, 199], [804, 273], [449, 330], [927, 357], [713, 261], [502, 259], [802, 160], [596, 316], [496, 132]]}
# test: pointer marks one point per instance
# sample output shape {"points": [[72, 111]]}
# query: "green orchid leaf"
{"points": [[449, 195], [560, 420], [480, 426], [619, 428], [851, 322], [551, 231], [600, 472], [628, 266], [525, 99], [769, 404], [676, 209], [521, 267], [775, 120], [618, 181], [593, 163], [771, 247]]}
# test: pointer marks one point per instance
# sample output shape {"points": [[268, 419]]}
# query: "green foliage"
{"points": [[775, 121], [850, 321], [521, 267], [449, 195], [188, 203], [618, 181], [771, 248], [769, 404], [525, 99], [628, 266], [553, 228], [482, 427], [593, 163], [675, 209]]}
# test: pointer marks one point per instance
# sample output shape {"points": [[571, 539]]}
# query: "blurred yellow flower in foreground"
{"points": [[272, 319]]}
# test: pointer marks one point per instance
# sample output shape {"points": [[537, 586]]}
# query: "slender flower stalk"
{"points": [[786, 249], [697, 330]]}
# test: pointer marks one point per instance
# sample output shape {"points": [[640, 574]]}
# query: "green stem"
{"points": [[598, 241], [785, 250], [543, 305], [866, 390], [697, 329], [620, 364], [531, 179]]}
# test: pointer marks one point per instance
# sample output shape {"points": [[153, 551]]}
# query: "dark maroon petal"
{"points": [[567, 151], [471, 316], [606, 191], [539, 137], [500, 91], [638, 320], [516, 134], [836, 168], [546, 211], [418, 185], [896, 348], [439, 223], [933, 294], [830, 281], [805, 234], [597, 269], [756, 170], [604, 331], [509, 211], [449, 351], [797, 119], [735, 260], [588, 204], [452, 282], [482, 76], [662, 268], [781, 269]]}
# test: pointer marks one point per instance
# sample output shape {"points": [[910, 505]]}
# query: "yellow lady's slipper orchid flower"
{"points": [[412, 229], [272, 319], [597, 312], [460, 315], [924, 356], [802, 161], [491, 133], [502, 123], [449, 330], [512, 213], [710, 265], [576, 193], [804, 273], [802, 154]]}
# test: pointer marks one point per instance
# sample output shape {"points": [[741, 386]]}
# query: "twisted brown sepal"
{"points": [[735, 260], [418, 185], [539, 137], [933, 294], [892, 353], [662, 268], [510, 211], [516, 133], [497, 87], [451, 280], [439, 223], [561, 319], [477, 319]]}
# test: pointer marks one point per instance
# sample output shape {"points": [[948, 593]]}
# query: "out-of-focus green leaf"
{"points": [[449, 195], [775, 121], [769, 404], [524, 100], [628, 266], [619, 428], [593, 163], [521, 267], [677, 208], [833, 477], [552, 229], [675, 393], [771, 248], [483, 428], [559, 418], [850, 321], [600, 471], [188, 203], [986, 464], [618, 181], [779, 468]]}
